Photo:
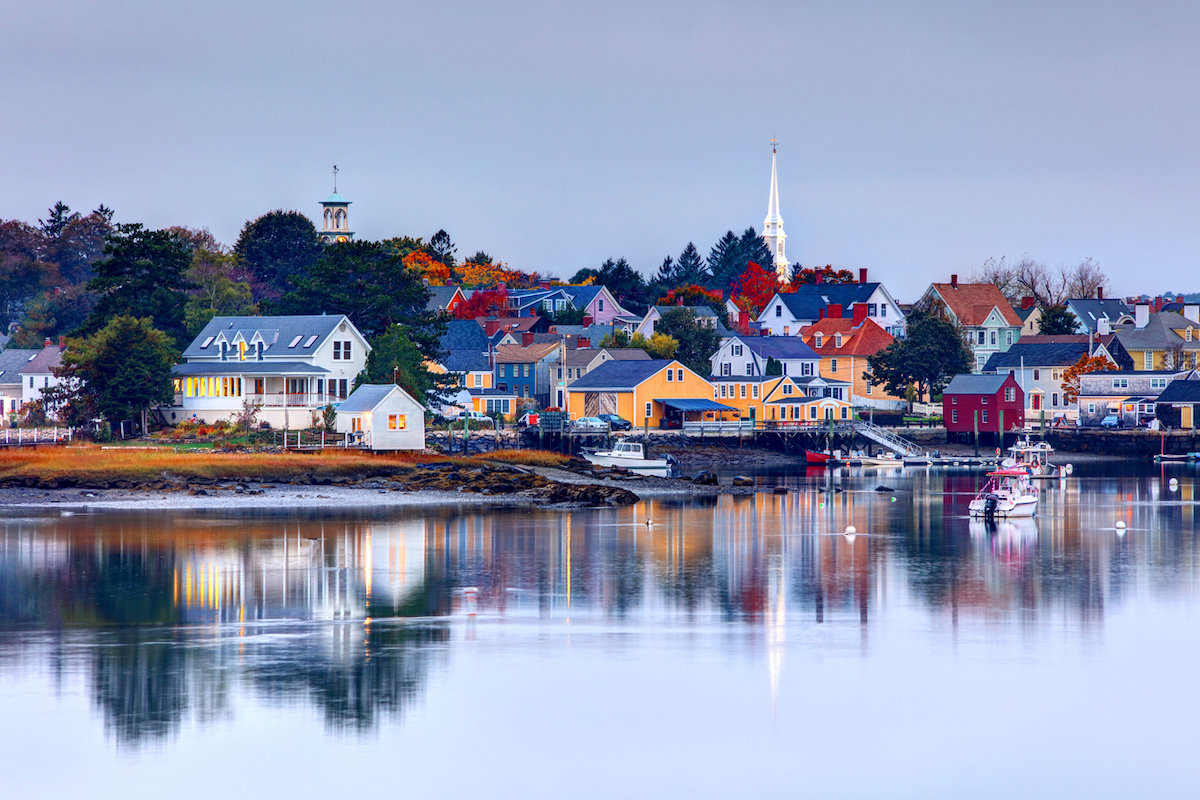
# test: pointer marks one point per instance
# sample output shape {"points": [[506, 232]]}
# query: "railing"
{"points": [[17, 437], [719, 426], [292, 400]]}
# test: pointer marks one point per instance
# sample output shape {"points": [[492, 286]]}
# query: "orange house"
{"points": [[844, 345], [644, 392]]}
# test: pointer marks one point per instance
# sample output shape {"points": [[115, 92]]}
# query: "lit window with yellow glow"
{"points": [[397, 422]]}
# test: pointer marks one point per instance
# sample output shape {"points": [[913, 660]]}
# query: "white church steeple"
{"points": [[773, 233], [335, 216]]}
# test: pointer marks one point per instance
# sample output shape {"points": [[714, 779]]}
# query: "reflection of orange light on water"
{"points": [[368, 562]]}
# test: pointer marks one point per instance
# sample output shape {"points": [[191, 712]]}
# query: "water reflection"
{"points": [[171, 618]]}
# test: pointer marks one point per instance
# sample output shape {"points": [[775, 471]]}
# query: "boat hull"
{"points": [[1025, 506], [642, 466]]}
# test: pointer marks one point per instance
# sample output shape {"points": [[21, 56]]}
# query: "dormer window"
{"points": [[820, 340], [837, 340], [260, 350], [1187, 337]]}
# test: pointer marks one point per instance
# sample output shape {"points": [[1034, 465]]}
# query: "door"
{"points": [[1186, 420]]}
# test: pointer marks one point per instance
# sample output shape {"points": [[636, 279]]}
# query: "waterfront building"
{"points": [[1039, 366], [382, 417], [646, 393], [524, 369], [844, 345], [290, 366], [11, 382], [779, 398], [38, 373], [982, 311], [991, 404], [1129, 394], [1165, 340]]}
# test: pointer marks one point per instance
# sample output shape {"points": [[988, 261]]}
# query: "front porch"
{"points": [[289, 396]]}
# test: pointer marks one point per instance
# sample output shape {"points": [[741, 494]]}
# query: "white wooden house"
{"points": [[383, 417], [291, 366]]}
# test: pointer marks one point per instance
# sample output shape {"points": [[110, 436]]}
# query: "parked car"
{"points": [[1111, 421], [475, 418], [618, 423], [591, 422]]}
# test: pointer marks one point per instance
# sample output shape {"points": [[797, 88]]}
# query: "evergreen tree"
{"points": [[754, 248], [276, 250], [394, 357], [697, 343], [690, 269], [57, 220], [143, 276], [440, 248], [667, 273], [723, 260], [1056, 320]]}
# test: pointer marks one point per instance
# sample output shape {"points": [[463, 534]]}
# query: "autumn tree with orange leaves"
{"points": [[483, 303], [1083, 366], [753, 289]]}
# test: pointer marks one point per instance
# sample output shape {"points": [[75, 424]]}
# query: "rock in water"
{"points": [[780, 490], [742, 480], [884, 489], [705, 478]]}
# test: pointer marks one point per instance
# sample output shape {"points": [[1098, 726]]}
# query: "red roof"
{"points": [[867, 339], [972, 302]]}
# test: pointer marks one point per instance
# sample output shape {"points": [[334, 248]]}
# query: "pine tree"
{"points": [[689, 268], [754, 248], [667, 273], [57, 220], [723, 260]]}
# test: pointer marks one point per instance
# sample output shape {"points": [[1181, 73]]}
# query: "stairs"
{"points": [[886, 438]]}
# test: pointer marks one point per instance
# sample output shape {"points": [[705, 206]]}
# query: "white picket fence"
{"points": [[20, 437]]}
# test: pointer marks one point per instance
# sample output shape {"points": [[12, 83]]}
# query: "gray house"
{"points": [[1131, 395]]}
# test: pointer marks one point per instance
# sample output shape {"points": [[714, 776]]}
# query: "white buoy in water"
{"points": [[649, 522], [1120, 525], [1069, 469], [851, 533], [1173, 484]]}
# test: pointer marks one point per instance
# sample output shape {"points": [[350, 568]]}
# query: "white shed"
{"points": [[386, 416]]}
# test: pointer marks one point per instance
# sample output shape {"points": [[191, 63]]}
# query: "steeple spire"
{"points": [[773, 233]]}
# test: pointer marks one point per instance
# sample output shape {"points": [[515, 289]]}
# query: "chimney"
{"points": [[1158, 304], [526, 338], [1103, 326], [544, 284], [62, 343], [1026, 303], [678, 301], [819, 277], [835, 310], [490, 327], [1141, 315], [587, 320], [584, 342], [862, 275], [1192, 312], [859, 310], [48, 343], [953, 281], [820, 314], [1099, 292]]}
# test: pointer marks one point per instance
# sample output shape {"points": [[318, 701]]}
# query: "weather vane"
{"points": [[335, 172], [774, 143]]}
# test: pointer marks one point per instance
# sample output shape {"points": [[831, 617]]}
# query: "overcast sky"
{"points": [[916, 139]]}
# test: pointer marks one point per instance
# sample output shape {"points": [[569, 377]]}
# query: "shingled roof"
{"points": [[866, 339], [1181, 391], [620, 375], [278, 333], [1037, 355], [972, 302], [975, 384]]}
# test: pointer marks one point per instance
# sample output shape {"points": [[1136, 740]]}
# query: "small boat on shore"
{"points": [[632, 456], [1007, 493], [816, 459]]}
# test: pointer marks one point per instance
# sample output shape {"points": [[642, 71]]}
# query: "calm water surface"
{"points": [[741, 647]]}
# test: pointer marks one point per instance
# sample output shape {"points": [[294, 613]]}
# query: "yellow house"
{"points": [[645, 392], [1161, 341], [472, 369], [773, 397], [844, 346]]}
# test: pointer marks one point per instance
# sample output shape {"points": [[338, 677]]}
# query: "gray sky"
{"points": [[915, 141]]}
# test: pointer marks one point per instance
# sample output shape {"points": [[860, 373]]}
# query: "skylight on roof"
{"points": [[296, 341], [1090, 314], [310, 341], [207, 342]]}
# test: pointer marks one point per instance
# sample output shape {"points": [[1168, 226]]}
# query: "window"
{"points": [[295, 341], [46, 382], [749, 368], [1120, 383], [985, 417], [845, 412], [600, 305], [737, 349], [754, 391], [786, 331], [953, 399], [778, 313], [726, 369], [1187, 335], [837, 340], [883, 310], [649, 409], [819, 340], [308, 342], [1037, 374], [993, 338], [833, 365], [869, 387], [1054, 399], [1158, 383], [679, 375], [30, 381], [241, 351], [1091, 408], [397, 422], [1056, 374], [871, 309], [1008, 338], [812, 411], [1010, 394], [787, 389], [478, 379], [670, 376], [342, 388], [1147, 360], [504, 370], [207, 342], [560, 373], [527, 366], [981, 335], [722, 390], [743, 391], [954, 416], [806, 369], [983, 400]]}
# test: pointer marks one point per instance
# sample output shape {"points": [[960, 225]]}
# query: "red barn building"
{"points": [[989, 401]]}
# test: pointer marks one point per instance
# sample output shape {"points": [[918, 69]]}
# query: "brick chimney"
{"points": [[859, 310], [526, 338], [62, 343], [587, 320], [862, 275], [953, 281], [1158, 304], [820, 277], [544, 284], [48, 343], [490, 327], [820, 313], [584, 342], [835, 310], [1099, 292], [1026, 303]]}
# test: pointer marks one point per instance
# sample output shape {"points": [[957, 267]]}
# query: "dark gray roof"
{"points": [[1037, 355], [466, 361], [277, 332], [1180, 391], [778, 347], [1159, 333], [1090, 311], [975, 384], [595, 331], [248, 368], [464, 334], [582, 295], [701, 311], [365, 398], [619, 374], [810, 299], [44, 361], [440, 297], [490, 393], [11, 362]]}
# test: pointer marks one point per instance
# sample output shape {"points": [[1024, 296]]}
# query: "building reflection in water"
{"points": [[169, 617]]}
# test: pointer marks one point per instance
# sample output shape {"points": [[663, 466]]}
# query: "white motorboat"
{"points": [[632, 456], [1007, 493], [1033, 458]]}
